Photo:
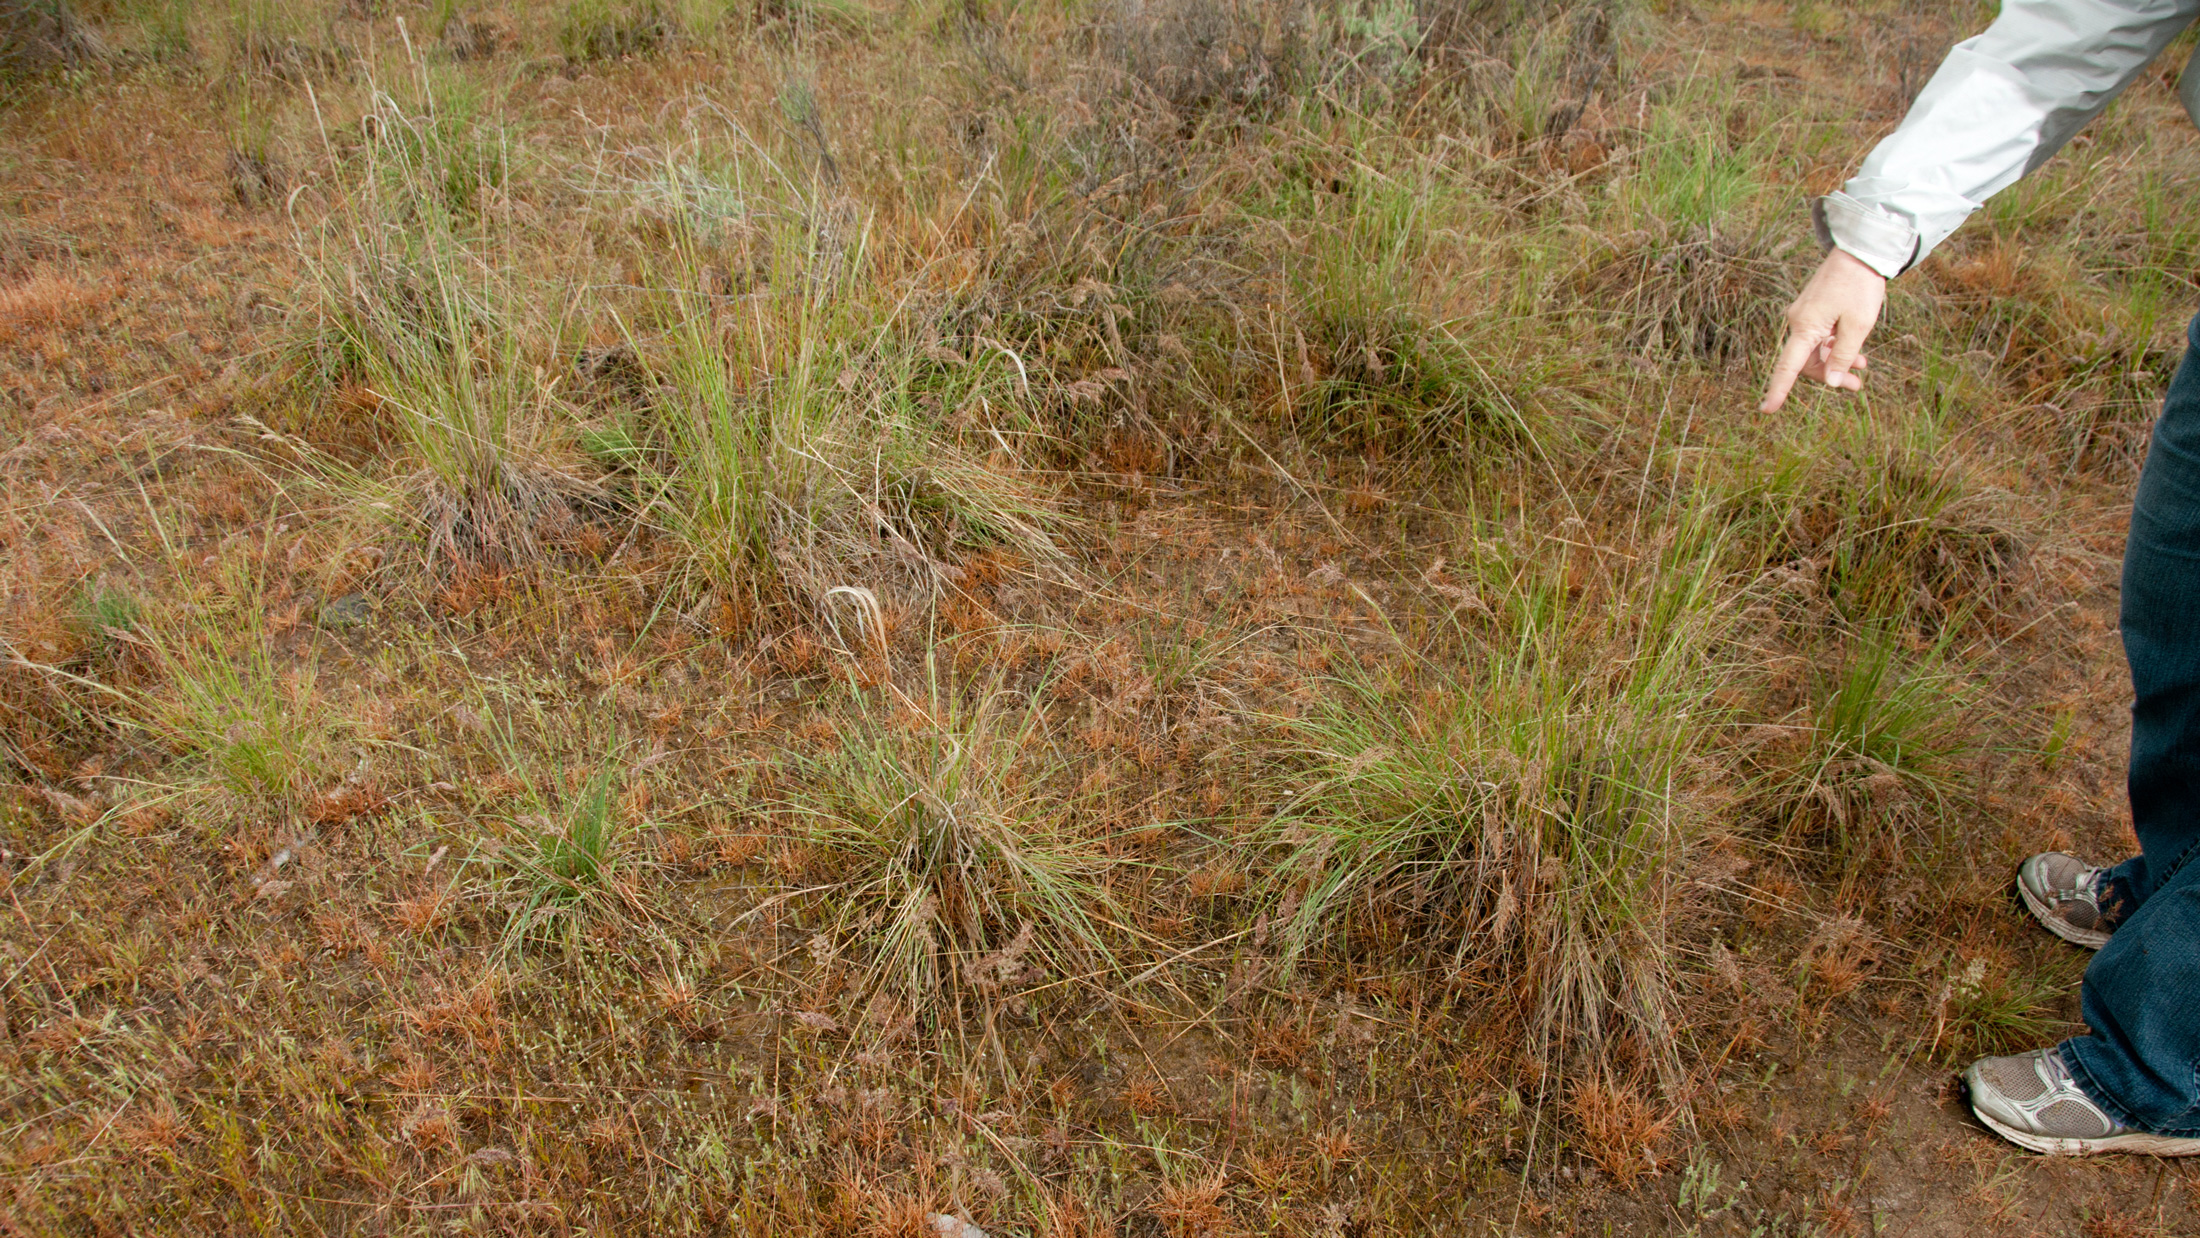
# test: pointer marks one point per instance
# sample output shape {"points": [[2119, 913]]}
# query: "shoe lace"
{"points": [[2088, 885], [2058, 1074]]}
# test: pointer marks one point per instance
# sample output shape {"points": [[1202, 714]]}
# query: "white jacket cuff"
{"points": [[1883, 241]]}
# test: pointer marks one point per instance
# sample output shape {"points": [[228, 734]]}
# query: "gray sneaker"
{"points": [[2065, 893], [2031, 1101]]}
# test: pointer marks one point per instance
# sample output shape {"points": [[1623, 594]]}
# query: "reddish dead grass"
{"points": [[31, 312], [357, 1036], [1622, 1127]]}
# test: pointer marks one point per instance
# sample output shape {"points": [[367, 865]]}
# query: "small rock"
{"points": [[348, 611], [954, 1227]]}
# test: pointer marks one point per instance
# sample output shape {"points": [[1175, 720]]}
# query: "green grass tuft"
{"points": [[966, 863], [1530, 815], [592, 30]]}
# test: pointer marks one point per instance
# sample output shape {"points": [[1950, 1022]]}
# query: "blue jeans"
{"points": [[2141, 995]]}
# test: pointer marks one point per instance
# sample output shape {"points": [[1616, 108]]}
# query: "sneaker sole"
{"points": [[2091, 939], [2137, 1143]]}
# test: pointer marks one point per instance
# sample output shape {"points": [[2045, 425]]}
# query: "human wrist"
{"points": [[1850, 266]]}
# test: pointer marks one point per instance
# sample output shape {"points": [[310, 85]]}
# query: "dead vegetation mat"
{"points": [[1164, 620]]}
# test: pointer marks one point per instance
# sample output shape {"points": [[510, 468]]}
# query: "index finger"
{"points": [[1793, 355]]}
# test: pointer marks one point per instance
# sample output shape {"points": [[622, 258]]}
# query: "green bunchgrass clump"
{"points": [[1986, 1009], [966, 865], [1533, 77], [1695, 169], [1686, 262], [1874, 765], [106, 614], [1890, 557], [291, 43], [1876, 527], [166, 29], [1899, 544], [608, 29], [422, 304], [1875, 709], [432, 163], [796, 442], [1387, 375], [1532, 813]]}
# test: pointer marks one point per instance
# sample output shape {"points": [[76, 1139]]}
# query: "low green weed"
{"points": [[568, 865], [255, 722]]}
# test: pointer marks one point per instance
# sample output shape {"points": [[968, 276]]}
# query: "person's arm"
{"points": [[1998, 107]]}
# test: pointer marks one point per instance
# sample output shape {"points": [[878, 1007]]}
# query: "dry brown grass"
{"points": [[45, 306], [1192, 378]]}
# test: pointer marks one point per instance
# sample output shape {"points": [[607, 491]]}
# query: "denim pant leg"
{"points": [[2139, 992], [2161, 629]]}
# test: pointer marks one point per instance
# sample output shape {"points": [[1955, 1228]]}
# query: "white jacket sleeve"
{"points": [[2000, 104]]}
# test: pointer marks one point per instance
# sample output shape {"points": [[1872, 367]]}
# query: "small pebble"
{"points": [[348, 611]]}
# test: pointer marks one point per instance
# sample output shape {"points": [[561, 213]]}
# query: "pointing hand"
{"points": [[1826, 328]]}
